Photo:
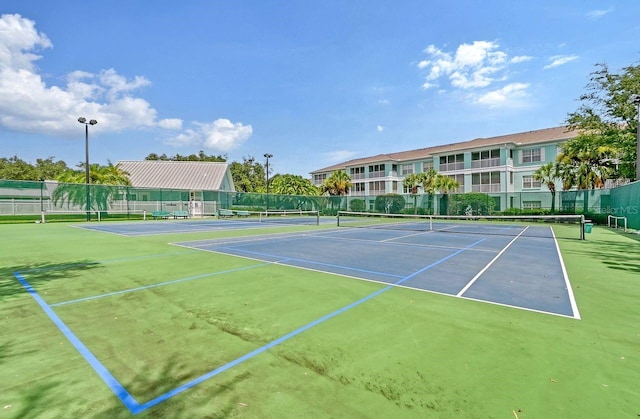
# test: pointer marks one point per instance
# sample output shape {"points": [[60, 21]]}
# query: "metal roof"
{"points": [[192, 175], [519, 139]]}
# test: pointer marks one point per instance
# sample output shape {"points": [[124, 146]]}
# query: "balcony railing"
{"points": [[486, 188], [475, 164], [447, 167], [376, 174]]}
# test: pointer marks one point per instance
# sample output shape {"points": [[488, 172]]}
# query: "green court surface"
{"points": [[211, 335]]}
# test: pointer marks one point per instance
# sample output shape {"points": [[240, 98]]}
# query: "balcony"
{"points": [[447, 167], [476, 164], [492, 188]]}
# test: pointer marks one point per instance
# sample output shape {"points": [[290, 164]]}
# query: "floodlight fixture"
{"points": [[83, 120]]}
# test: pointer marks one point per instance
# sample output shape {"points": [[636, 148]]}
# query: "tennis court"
{"points": [[496, 264], [393, 319], [253, 220]]}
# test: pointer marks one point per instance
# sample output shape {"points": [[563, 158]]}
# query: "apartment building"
{"points": [[496, 165]]}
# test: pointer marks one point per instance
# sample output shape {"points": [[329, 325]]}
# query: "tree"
{"points": [[48, 169], [106, 183], [547, 174], [248, 176], [607, 122], [337, 184], [445, 184], [15, 168], [389, 203], [201, 156], [426, 180], [587, 162], [292, 185]]}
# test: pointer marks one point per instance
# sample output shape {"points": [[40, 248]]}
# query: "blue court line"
{"points": [[159, 284], [111, 382], [129, 401]]}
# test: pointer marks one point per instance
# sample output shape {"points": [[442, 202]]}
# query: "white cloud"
{"points": [[170, 123], [380, 128], [520, 59], [18, 41], [220, 135], [597, 14], [28, 104], [475, 65], [559, 60], [509, 95], [384, 102]]}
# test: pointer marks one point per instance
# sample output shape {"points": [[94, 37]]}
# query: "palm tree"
{"points": [[72, 189], [445, 184], [337, 184], [411, 182], [547, 174]]}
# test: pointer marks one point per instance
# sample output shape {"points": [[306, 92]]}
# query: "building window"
{"points": [[532, 155], [357, 189], [451, 162], [485, 182], [319, 179], [486, 158], [356, 173], [529, 205], [427, 166], [407, 169], [529, 182], [376, 170], [377, 187]]}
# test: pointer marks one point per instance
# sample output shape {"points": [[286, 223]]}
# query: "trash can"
{"points": [[588, 227]]}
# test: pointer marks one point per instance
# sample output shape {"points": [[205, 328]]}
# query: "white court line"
{"points": [[475, 278], [572, 299]]}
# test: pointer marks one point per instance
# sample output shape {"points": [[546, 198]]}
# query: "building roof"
{"points": [[523, 138], [193, 175]]}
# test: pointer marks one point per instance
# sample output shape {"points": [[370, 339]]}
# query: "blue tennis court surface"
{"points": [[145, 228], [524, 271]]}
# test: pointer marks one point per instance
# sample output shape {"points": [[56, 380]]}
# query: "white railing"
{"points": [[447, 167], [475, 164]]}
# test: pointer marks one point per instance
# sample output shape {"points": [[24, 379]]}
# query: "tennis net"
{"points": [[560, 226], [303, 217]]}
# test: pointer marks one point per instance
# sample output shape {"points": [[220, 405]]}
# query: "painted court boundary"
{"points": [[134, 406]]}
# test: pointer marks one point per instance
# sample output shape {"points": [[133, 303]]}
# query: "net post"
{"points": [[582, 223], [317, 217], [42, 217], [338, 219]]}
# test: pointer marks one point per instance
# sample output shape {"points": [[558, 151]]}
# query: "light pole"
{"points": [[635, 99], [268, 156], [87, 179]]}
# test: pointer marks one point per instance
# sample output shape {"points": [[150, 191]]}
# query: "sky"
{"points": [[313, 83]]}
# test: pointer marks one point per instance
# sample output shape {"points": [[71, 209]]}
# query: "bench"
{"points": [[225, 213], [160, 214], [242, 213], [180, 214]]}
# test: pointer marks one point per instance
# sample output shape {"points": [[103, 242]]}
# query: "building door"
{"points": [[196, 204]]}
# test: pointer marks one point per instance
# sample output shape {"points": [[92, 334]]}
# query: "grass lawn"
{"points": [[402, 354]]}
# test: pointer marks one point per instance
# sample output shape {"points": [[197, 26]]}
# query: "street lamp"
{"points": [[87, 179], [268, 156], [635, 99]]}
